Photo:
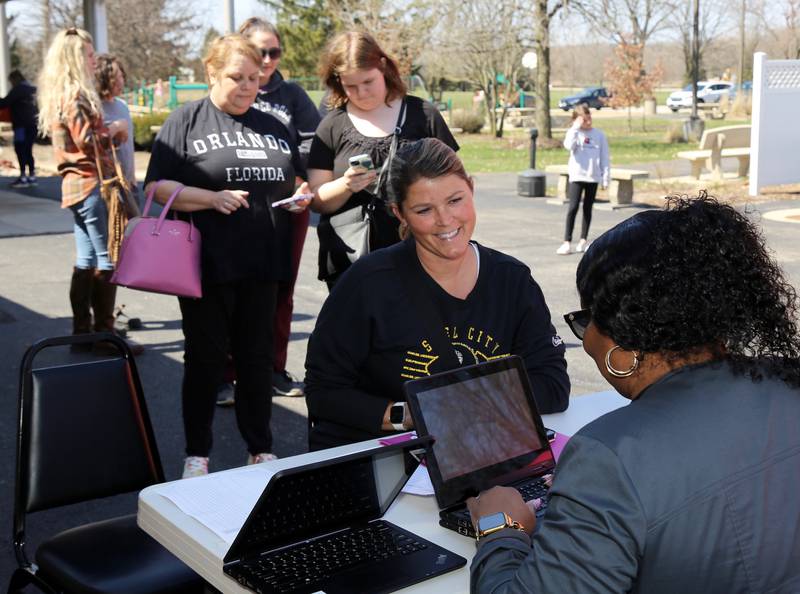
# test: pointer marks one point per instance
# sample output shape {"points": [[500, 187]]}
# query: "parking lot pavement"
{"points": [[36, 252]]}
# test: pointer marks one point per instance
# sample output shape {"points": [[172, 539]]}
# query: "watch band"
{"points": [[507, 523]]}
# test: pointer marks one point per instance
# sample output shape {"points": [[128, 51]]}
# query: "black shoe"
{"points": [[32, 180], [20, 182], [225, 394], [283, 384]]}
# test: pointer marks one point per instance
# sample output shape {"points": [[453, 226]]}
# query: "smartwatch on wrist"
{"points": [[494, 523], [397, 414]]}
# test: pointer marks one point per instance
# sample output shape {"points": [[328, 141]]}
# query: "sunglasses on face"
{"points": [[578, 321], [274, 53]]}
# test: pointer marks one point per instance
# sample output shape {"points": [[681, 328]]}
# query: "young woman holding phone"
{"points": [[368, 102]]}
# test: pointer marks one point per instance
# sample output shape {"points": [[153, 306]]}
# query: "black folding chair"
{"points": [[84, 433]]}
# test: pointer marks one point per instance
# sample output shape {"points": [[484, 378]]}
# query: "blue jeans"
{"points": [[91, 233]]}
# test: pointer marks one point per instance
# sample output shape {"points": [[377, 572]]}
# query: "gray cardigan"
{"points": [[693, 487]]}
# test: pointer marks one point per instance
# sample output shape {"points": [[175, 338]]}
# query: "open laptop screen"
{"points": [[485, 425], [322, 497]]}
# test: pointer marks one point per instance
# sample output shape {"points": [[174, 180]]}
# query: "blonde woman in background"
{"points": [[70, 110]]}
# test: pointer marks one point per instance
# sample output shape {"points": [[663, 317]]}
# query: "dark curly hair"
{"points": [[694, 277], [105, 73]]}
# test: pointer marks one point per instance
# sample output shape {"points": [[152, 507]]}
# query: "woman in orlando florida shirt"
{"points": [[369, 338], [589, 166], [233, 161]]}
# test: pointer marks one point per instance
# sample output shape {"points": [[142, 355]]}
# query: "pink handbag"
{"points": [[160, 255]]}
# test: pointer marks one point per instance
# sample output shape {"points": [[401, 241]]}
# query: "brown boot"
{"points": [[80, 297], [104, 294]]}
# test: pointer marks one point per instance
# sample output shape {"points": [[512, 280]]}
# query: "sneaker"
{"points": [[582, 246], [195, 466], [20, 182], [32, 180], [260, 458], [564, 249], [283, 384], [225, 394]]}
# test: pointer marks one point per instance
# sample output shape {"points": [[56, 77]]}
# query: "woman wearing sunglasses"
{"points": [[694, 486], [290, 104]]}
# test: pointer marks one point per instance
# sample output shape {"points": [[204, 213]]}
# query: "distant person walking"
{"points": [[21, 101], [589, 166], [70, 109]]}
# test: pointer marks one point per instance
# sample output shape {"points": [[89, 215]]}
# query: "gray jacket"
{"points": [[693, 487]]}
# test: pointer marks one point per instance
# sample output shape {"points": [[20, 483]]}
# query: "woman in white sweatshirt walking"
{"points": [[588, 166]]}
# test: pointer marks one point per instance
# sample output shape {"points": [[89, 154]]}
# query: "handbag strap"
{"points": [[150, 195], [383, 176], [423, 304]]}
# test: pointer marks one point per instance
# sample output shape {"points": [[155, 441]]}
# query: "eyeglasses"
{"points": [[273, 52], [578, 321]]}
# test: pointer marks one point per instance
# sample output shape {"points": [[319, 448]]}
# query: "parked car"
{"points": [[746, 87], [707, 92], [591, 96]]}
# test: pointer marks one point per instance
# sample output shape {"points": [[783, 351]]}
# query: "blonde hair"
{"points": [[357, 50], [222, 48], [65, 77]]}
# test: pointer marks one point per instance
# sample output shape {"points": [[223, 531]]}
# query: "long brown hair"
{"points": [[357, 50]]}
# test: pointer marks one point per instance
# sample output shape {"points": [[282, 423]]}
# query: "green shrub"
{"points": [[470, 122], [142, 134]]}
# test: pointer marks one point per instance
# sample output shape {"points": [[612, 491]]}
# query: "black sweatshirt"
{"points": [[368, 340]]}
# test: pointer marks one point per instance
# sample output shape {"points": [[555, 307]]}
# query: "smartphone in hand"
{"points": [[291, 200], [361, 163]]}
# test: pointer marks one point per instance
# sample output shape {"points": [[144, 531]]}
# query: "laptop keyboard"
{"points": [[299, 568], [461, 521], [537, 489]]}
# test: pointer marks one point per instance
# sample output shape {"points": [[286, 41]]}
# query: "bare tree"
{"points": [[153, 40], [714, 14], [543, 13], [784, 28], [401, 29], [489, 42], [627, 21]]}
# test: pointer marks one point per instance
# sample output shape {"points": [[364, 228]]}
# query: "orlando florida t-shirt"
{"points": [[202, 146]]}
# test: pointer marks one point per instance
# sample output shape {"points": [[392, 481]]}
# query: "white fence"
{"points": [[774, 152]]}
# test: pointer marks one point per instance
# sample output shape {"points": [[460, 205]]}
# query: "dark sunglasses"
{"points": [[578, 321], [274, 53]]}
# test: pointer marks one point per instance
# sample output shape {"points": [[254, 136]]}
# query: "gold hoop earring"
{"points": [[616, 372]]}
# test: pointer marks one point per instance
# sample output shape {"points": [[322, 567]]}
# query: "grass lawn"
{"points": [[482, 153]]}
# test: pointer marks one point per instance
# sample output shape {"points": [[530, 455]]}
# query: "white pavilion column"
{"points": [[94, 15], [5, 54]]}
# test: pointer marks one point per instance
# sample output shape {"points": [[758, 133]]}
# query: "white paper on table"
{"points": [[221, 502], [419, 483]]}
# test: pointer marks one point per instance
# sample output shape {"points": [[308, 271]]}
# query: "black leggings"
{"points": [[589, 191], [231, 318], [23, 146]]}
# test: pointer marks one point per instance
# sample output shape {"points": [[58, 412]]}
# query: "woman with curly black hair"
{"points": [[693, 487]]}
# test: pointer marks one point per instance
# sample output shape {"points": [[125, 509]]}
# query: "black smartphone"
{"points": [[551, 435]]}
